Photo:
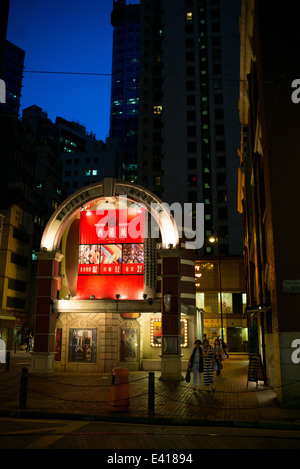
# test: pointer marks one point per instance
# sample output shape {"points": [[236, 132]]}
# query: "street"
{"points": [[75, 434]]}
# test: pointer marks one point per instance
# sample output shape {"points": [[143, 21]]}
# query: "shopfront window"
{"points": [[129, 345], [83, 345]]}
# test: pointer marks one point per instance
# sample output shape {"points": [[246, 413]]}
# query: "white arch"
{"points": [[106, 189]]}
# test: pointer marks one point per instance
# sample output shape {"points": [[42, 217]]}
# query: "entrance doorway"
{"points": [[234, 339]]}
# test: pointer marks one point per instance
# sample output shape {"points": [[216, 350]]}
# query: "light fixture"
{"points": [[118, 296], [167, 302], [92, 297], [145, 296], [213, 237]]}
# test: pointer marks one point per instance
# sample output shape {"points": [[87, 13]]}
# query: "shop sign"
{"points": [[111, 248], [131, 315], [211, 323], [291, 286]]}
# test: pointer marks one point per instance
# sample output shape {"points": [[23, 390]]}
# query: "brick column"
{"points": [[45, 317], [170, 284]]}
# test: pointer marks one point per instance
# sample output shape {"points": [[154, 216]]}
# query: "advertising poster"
{"points": [[89, 259], [82, 345], [129, 345], [111, 254], [156, 333], [111, 259]]}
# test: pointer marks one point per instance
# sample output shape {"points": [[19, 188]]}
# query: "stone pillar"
{"points": [[170, 285], [45, 314]]}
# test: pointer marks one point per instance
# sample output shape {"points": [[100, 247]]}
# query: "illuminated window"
{"points": [[157, 109], [189, 15], [157, 181], [94, 172]]}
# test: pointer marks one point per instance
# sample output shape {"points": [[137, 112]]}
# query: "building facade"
{"points": [[16, 298], [269, 189], [13, 66], [106, 298], [85, 159]]}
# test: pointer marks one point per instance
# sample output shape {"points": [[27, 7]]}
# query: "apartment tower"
{"points": [[189, 128]]}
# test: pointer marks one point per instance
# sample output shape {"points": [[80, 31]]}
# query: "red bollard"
{"points": [[119, 390]]}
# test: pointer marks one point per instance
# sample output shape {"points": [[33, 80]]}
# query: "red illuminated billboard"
{"points": [[112, 226], [111, 253]]}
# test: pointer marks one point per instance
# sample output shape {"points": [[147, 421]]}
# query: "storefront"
{"points": [[107, 298], [223, 311]]}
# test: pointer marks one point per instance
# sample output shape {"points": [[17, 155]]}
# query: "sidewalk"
{"points": [[87, 396]]}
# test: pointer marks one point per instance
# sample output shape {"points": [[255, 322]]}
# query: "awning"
{"points": [[7, 315]]}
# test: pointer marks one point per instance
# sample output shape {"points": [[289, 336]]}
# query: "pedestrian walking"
{"points": [[218, 351], [208, 365], [224, 346], [196, 362], [28, 343]]}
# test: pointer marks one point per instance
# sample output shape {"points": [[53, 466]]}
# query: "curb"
{"points": [[263, 425]]}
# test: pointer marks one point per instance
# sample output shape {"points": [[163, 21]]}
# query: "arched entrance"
{"points": [[50, 257]]}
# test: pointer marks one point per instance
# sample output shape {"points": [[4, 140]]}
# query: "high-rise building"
{"points": [[12, 75], [125, 86], [189, 129], [4, 10], [85, 159], [189, 135]]}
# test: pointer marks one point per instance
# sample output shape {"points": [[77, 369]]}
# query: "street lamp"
{"points": [[214, 238]]}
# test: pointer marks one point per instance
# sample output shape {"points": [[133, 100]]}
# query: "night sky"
{"points": [[66, 36]]}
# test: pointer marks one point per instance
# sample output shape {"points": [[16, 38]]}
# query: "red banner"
{"points": [[112, 226], [111, 253]]}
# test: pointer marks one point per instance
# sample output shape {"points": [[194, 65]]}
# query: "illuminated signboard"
{"points": [[111, 253], [156, 333], [89, 259]]}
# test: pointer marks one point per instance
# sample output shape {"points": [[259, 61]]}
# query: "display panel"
{"points": [[133, 259], [82, 345], [111, 259], [89, 259], [111, 247], [129, 345], [156, 333]]}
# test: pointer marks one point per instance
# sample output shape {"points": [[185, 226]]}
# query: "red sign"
{"points": [[112, 226], [111, 253]]}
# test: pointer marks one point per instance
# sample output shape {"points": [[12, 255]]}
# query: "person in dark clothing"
{"points": [[196, 362], [27, 343], [224, 346]]}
